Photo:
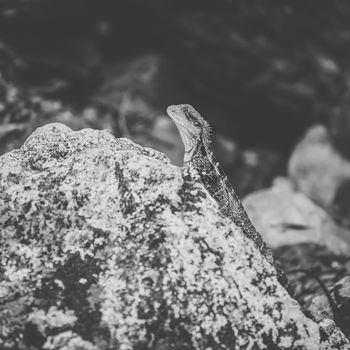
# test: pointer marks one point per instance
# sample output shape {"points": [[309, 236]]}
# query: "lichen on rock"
{"points": [[107, 245]]}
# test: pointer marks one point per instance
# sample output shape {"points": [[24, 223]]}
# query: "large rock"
{"points": [[107, 245]]}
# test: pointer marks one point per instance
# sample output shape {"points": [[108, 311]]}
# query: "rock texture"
{"points": [[107, 245]]}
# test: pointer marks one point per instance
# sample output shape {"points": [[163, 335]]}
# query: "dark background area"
{"points": [[260, 72]]}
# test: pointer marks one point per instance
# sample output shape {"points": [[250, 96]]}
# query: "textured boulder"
{"points": [[107, 245]]}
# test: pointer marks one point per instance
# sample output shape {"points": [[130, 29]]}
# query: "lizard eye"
{"points": [[192, 118], [196, 123]]}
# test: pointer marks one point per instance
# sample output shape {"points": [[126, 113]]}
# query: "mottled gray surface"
{"points": [[107, 245]]}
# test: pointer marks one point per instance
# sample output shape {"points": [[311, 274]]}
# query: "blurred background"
{"points": [[261, 73], [271, 77]]}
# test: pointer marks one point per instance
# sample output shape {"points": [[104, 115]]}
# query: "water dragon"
{"points": [[195, 134]]}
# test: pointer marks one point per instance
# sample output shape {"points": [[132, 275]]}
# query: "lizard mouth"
{"points": [[189, 134], [179, 119], [173, 113]]}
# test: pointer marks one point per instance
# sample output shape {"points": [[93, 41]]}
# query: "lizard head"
{"points": [[192, 127]]}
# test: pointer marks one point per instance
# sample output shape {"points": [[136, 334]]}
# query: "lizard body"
{"points": [[195, 134]]}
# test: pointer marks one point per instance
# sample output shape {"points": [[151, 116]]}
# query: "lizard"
{"points": [[195, 133]]}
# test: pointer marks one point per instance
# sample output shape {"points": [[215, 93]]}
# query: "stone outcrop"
{"points": [[107, 245]]}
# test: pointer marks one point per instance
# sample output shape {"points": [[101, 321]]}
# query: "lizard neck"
{"points": [[199, 157], [203, 161]]}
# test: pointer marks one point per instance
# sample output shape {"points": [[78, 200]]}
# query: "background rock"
{"points": [[284, 216], [341, 295], [317, 168], [340, 206], [313, 271], [312, 248]]}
